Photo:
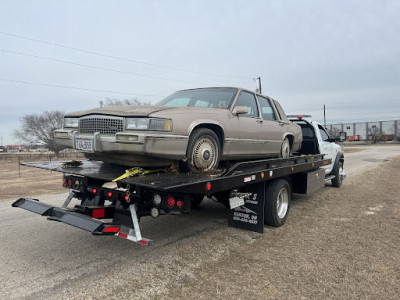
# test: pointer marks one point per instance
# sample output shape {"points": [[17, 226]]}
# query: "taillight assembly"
{"points": [[171, 201]]}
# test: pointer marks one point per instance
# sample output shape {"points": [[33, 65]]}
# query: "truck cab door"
{"points": [[325, 146]]}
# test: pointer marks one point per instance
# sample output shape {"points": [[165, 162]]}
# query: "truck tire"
{"points": [[203, 152], [337, 171], [285, 148], [277, 202]]}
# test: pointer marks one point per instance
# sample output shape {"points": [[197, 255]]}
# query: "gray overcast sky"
{"points": [[345, 54]]}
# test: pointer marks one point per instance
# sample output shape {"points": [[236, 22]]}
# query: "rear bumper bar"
{"points": [[66, 216]]}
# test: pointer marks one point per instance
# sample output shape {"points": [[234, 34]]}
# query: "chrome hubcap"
{"points": [[282, 203], [204, 154]]}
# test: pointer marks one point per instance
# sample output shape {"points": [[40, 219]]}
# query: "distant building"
{"points": [[15, 148], [364, 131]]}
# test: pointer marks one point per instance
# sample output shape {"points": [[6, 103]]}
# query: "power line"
{"points": [[77, 88], [119, 58], [99, 68]]}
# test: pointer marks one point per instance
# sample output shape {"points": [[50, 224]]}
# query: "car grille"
{"points": [[104, 125]]}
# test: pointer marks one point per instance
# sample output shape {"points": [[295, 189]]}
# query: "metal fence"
{"points": [[367, 131]]}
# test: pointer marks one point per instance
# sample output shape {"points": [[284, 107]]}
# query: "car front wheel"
{"points": [[203, 152]]}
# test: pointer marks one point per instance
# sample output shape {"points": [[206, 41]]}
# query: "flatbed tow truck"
{"points": [[256, 192]]}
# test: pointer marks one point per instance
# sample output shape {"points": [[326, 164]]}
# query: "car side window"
{"points": [[323, 133], [281, 113], [266, 109], [248, 100]]}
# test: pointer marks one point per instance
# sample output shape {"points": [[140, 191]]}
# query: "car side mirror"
{"points": [[343, 136], [239, 110]]}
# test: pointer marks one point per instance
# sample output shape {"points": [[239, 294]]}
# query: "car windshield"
{"points": [[211, 97]]}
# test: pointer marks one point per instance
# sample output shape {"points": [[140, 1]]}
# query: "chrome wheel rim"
{"points": [[204, 154], [285, 149], [341, 174], [282, 203]]}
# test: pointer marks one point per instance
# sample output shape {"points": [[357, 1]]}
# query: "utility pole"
{"points": [[324, 116], [259, 84]]}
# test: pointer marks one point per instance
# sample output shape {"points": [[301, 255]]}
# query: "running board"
{"points": [[330, 177]]}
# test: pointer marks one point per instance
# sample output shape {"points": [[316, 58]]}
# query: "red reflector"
{"points": [[143, 242], [171, 201], [179, 203], [300, 116], [111, 229], [69, 182], [127, 198], [208, 186], [109, 194], [98, 213], [94, 191], [123, 235]]}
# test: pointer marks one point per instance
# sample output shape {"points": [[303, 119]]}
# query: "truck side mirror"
{"points": [[343, 136], [239, 110]]}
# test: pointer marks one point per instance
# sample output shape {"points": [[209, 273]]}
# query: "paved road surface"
{"points": [[41, 259]]}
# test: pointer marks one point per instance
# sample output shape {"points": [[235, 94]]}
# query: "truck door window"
{"points": [[248, 100], [323, 133], [266, 109]]}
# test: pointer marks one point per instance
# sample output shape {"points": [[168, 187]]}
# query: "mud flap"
{"points": [[250, 216]]}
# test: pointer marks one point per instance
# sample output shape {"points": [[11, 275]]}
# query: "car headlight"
{"points": [[71, 122], [137, 123], [152, 124]]}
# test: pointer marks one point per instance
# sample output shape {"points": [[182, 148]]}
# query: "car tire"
{"points": [[277, 202], [285, 149], [203, 152], [337, 171]]}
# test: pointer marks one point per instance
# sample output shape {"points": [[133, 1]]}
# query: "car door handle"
{"points": [[260, 121]]}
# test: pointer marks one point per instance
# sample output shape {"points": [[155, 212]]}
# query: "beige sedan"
{"points": [[197, 127]]}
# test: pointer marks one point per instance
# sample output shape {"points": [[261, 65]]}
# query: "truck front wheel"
{"points": [[337, 171], [277, 202]]}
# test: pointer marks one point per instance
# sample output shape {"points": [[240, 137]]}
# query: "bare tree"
{"points": [[375, 133], [133, 101], [334, 132], [40, 128]]}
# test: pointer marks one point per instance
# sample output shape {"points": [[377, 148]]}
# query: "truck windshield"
{"points": [[209, 97]]}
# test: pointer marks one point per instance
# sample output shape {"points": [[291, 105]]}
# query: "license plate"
{"points": [[84, 144]]}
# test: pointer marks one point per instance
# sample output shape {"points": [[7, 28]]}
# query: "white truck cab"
{"points": [[316, 140]]}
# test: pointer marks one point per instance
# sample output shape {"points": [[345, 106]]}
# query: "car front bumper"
{"points": [[167, 146]]}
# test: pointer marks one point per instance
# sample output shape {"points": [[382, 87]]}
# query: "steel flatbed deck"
{"points": [[251, 189]]}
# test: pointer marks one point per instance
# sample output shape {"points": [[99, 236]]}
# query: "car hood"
{"points": [[121, 110]]}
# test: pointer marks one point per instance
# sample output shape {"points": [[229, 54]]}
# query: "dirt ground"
{"points": [[17, 182], [337, 244]]}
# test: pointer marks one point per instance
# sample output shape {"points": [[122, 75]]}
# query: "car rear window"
{"points": [[209, 97]]}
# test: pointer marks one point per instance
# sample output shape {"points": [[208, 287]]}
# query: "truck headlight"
{"points": [[71, 122], [153, 124]]}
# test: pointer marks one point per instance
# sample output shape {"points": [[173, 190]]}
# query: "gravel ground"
{"points": [[337, 244]]}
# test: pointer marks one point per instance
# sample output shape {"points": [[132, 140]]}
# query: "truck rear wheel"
{"points": [[277, 202]]}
